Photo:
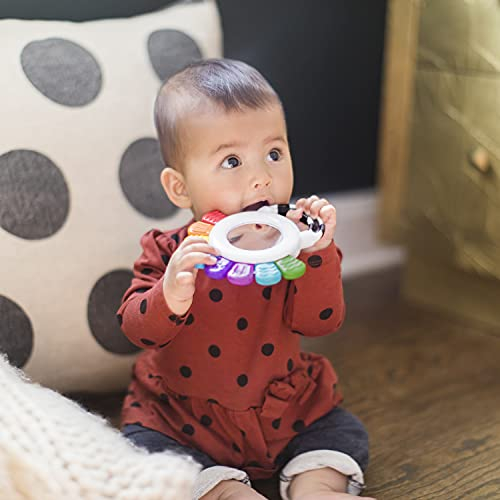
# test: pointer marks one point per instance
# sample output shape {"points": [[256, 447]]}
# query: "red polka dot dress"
{"points": [[228, 377]]}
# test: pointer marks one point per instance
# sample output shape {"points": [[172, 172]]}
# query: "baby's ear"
{"points": [[174, 184]]}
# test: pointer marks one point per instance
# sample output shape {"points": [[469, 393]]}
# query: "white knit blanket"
{"points": [[52, 449]]}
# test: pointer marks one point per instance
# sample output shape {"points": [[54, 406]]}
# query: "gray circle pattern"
{"points": [[34, 196], [140, 169], [16, 333], [171, 50], [102, 306], [62, 70]]}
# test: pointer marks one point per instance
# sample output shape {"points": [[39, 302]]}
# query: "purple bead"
{"points": [[241, 274], [219, 269]]}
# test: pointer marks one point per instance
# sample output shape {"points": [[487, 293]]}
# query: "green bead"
{"points": [[290, 267]]}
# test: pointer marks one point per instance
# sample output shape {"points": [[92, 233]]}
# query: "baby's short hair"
{"points": [[233, 85]]}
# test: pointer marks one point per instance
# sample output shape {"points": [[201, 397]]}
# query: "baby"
{"points": [[222, 377]]}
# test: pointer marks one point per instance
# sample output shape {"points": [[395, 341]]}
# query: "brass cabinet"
{"points": [[450, 199]]}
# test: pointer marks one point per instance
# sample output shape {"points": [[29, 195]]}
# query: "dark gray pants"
{"points": [[338, 430]]}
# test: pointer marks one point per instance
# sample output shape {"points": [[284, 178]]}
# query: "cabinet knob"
{"points": [[480, 159]]}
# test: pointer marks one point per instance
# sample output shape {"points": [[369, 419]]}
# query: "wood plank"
{"points": [[401, 42]]}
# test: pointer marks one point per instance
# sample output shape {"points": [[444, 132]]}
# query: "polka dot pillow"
{"points": [[79, 182]]}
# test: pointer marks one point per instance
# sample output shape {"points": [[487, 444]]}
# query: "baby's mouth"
{"points": [[256, 206]]}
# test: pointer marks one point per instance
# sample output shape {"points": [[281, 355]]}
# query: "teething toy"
{"points": [[260, 245]]}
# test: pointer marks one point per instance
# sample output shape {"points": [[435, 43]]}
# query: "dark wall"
{"points": [[323, 57]]}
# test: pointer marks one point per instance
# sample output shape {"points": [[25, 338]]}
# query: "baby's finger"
{"points": [[191, 240], [328, 215], [306, 206], [295, 214], [203, 247], [316, 207], [300, 202], [189, 260]]}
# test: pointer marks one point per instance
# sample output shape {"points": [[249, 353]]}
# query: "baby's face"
{"points": [[236, 159]]}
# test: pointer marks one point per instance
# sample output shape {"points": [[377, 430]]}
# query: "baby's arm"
{"points": [[155, 306], [315, 302]]}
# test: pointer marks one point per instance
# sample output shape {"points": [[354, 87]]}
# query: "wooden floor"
{"points": [[427, 387]]}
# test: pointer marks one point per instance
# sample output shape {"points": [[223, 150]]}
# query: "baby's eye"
{"points": [[231, 162], [274, 154]]}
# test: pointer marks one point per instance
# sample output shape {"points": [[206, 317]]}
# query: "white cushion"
{"points": [[79, 182]]}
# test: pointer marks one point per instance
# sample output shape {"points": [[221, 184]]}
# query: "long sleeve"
{"points": [[144, 315], [315, 302]]}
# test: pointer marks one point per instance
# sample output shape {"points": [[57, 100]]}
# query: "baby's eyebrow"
{"points": [[230, 145], [274, 138], [226, 146]]}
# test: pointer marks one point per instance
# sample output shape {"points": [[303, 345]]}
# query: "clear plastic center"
{"points": [[254, 236]]}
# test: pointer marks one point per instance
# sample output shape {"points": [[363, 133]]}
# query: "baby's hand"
{"points": [[316, 207], [180, 275]]}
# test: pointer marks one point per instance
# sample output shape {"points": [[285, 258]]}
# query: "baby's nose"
{"points": [[262, 179]]}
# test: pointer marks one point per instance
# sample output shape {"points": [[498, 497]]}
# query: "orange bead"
{"points": [[199, 228]]}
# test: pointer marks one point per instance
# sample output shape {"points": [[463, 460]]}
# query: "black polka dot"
{"points": [[173, 317], [289, 364], [139, 171], [315, 261], [136, 404], [205, 420], [298, 426], [266, 293], [215, 294], [103, 302], [326, 313], [189, 319], [164, 397], [242, 324], [267, 349], [214, 351], [185, 371], [242, 380], [188, 429], [243, 433], [213, 401], [175, 237], [165, 259], [276, 423], [147, 271], [143, 307], [16, 332], [34, 196], [147, 342], [170, 50], [236, 448], [62, 71]]}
